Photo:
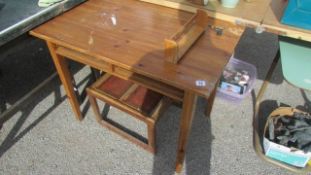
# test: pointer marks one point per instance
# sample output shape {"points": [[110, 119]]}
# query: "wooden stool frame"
{"points": [[148, 144]]}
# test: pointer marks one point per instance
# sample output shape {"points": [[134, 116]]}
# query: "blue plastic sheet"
{"points": [[298, 14]]}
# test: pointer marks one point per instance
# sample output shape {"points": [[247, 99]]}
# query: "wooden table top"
{"points": [[263, 13], [245, 13], [272, 21], [131, 33]]}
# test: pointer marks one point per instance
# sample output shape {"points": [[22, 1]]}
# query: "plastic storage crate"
{"points": [[234, 84]]}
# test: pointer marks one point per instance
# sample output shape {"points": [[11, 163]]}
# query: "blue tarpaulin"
{"points": [[298, 14]]}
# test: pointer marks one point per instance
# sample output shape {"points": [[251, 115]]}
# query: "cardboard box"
{"points": [[284, 154]]}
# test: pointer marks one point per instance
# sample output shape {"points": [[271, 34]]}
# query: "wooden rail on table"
{"points": [[199, 2], [123, 73], [179, 43]]}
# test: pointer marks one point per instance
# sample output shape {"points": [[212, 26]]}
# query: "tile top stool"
{"points": [[138, 101]]}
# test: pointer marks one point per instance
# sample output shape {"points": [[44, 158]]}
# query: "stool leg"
{"points": [[95, 108], [151, 137], [94, 104]]}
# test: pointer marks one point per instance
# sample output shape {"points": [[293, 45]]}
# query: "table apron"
{"points": [[116, 70]]}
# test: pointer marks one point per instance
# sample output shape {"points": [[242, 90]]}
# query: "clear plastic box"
{"points": [[228, 87]]}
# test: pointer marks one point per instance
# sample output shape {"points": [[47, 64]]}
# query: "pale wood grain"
{"points": [[260, 13], [66, 78], [136, 42], [190, 100], [246, 13], [179, 43], [127, 74]]}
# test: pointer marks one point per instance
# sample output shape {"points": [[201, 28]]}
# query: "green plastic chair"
{"points": [[296, 62], [296, 66]]}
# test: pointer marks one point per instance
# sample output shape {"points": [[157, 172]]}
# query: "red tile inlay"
{"points": [[115, 86], [143, 100]]}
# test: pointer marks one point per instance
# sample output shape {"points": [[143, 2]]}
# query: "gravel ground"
{"points": [[43, 137]]}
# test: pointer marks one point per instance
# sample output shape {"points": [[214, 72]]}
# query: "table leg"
{"points": [[66, 78], [188, 110]]}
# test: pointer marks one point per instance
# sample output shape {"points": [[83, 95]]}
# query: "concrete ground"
{"points": [[43, 136]]}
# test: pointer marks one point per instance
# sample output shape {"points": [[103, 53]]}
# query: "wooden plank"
{"points": [[129, 92], [157, 86], [171, 50], [85, 59], [179, 43], [187, 115], [101, 80], [66, 79], [200, 2]]}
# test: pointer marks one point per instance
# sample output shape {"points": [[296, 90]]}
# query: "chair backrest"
{"points": [[296, 62]]}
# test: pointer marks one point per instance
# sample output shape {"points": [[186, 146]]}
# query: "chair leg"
{"points": [[257, 141]]}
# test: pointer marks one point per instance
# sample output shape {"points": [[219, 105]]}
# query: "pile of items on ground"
{"points": [[291, 131]]}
